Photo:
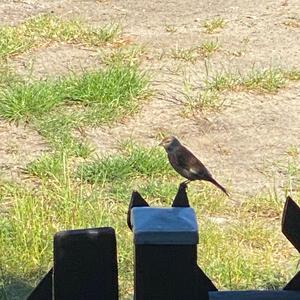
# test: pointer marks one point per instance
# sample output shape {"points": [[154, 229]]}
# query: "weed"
{"points": [[224, 81], [189, 54], [201, 101], [170, 28], [292, 22], [214, 25], [208, 48], [130, 56], [269, 80], [293, 74]]}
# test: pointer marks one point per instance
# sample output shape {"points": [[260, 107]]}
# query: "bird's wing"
{"points": [[191, 163]]}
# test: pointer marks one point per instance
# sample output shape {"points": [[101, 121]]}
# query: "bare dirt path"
{"points": [[251, 134]]}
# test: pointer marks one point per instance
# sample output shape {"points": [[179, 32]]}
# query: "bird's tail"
{"points": [[217, 184]]}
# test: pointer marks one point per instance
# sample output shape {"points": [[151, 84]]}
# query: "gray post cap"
{"points": [[164, 226]]}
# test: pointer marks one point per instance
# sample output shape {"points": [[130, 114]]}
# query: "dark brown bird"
{"points": [[186, 163]]}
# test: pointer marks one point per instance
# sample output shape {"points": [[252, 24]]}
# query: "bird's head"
{"points": [[170, 143]]}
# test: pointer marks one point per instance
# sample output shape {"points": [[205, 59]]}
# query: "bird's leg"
{"points": [[186, 182]]}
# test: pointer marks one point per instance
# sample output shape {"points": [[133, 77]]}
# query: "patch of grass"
{"points": [[238, 264], [268, 80], [26, 100], [108, 94], [134, 161], [43, 29], [223, 81], [208, 48], [48, 166], [214, 25], [35, 217], [201, 101], [99, 97], [57, 129]]}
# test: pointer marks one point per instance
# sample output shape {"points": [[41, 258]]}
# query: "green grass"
{"points": [[269, 80], [98, 193], [23, 101], [43, 29], [208, 48], [214, 25], [133, 161], [56, 107], [110, 93]]}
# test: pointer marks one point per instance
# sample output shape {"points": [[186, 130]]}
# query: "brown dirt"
{"points": [[56, 60], [19, 145], [251, 134]]}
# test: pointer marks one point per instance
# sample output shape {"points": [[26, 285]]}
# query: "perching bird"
{"points": [[186, 163]]}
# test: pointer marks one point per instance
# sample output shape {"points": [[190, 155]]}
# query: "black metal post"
{"points": [[85, 265]]}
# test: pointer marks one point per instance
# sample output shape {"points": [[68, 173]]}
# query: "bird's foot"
{"points": [[183, 185]]}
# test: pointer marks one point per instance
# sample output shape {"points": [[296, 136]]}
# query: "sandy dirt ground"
{"points": [[244, 143]]}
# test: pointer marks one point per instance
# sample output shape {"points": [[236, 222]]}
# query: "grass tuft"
{"points": [[188, 55], [129, 56], [42, 29], [208, 48], [214, 25], [26, 100]]}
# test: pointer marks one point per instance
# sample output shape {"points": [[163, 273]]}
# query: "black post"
{"points": [[166, 253], [43, 290], [85, 265], [291, 229]]}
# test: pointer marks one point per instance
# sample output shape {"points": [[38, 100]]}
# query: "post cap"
{"points": [[164, 226]]}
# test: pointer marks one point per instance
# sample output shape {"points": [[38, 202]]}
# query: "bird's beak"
{"points": [[160, 144]]}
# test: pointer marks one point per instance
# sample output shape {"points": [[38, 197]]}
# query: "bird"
{"points": [[186, 163]]}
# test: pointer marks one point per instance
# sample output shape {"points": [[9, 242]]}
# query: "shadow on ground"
{"points": [[12, 288]]}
